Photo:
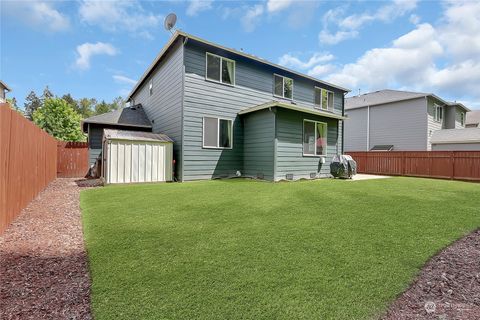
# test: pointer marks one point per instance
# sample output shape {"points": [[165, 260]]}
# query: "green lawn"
{"points": [[239, 249]]}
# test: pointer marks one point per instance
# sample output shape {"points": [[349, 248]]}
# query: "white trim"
{"points": [[316, 132], [218, 133], [220, 71], [436, 117], [462, 119], [320, 106], [283, 86]]}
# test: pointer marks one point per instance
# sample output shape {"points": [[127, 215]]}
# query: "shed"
{"points": [[467, 139], [136, 156]]}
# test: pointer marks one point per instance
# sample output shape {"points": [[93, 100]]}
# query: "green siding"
{"points": [[289, 157], [258, 147]]}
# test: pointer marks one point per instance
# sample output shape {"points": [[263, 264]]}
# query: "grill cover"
{"points": [[343, 166]]}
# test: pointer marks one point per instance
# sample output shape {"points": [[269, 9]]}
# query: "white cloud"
{"points": [[289, 60], [38, 13], [415, 19], [347, 27], [197, 6], [252, 17], [333, 38], [87, 50], [278, 5], [120, 16], [321, 70], [123, 80]]}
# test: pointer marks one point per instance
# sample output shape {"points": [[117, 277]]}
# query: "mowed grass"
{"points": [[239, 249]]}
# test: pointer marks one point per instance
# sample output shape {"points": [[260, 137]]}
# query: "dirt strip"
{"points": [[43, 264], [448, 287]]}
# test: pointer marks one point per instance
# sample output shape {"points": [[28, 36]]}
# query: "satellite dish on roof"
{"points": [[170, 21]]}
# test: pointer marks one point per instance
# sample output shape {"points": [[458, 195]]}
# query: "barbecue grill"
{"points": [[343, 166]]}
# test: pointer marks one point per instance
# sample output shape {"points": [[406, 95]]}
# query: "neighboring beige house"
{"points": [[3, 91], [473, 119], [467, 139], [398, 120]]}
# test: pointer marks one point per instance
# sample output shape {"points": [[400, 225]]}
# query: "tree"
{"points": [[59, 119], [32, 103], [102, 107], [47, 94], [118, 103], [86, 107]]}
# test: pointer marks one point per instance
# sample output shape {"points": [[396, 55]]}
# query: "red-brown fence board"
{"points": [[460, 165], [28, 157], [72, 159]]}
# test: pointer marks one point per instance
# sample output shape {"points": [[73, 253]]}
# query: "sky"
{"points": [[99, 49]]}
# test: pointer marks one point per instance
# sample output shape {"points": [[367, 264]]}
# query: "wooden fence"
{"points": [[72, 159], [28, 157], [458, 165]]}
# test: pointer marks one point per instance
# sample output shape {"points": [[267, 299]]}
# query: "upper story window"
{"points": [[220, 69], [323, 99], [314, 138], [217, 133], [462, 119], [283, 86], [150, 87], [437, 113]]}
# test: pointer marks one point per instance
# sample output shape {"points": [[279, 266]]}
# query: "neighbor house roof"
{"points": [[4, 85], [135, 135], [291, 106], [468, 135], [185, 35], [473, 117], [133, 116], [388, 96]]}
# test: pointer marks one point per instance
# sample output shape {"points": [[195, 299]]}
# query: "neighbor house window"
{"points": [[437, 113], [314, 138], [462, 119], [217, 133], [150, 87], [220, 69], [323, 99], [283, 86]]}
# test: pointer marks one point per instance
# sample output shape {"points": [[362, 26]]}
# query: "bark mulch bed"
{"points": [[43, 263], [448, 287]]}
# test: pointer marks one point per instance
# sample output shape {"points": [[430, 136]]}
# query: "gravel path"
{"points": [[448, 287], [43, 264]]}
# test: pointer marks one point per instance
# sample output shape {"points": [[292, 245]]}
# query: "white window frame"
{"points": [[316, 137], [218, 133], [283, 86], [221, 65], [320, 106], [436, 114], [462, 119]]}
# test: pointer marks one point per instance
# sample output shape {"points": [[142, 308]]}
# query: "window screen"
{"points": [[225, 134], [278, 85], [210, 132], [309, 138], [213, 67], [228, 71]]}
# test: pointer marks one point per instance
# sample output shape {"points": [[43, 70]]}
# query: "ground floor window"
{"points": [[314, 138], [217, 133]]}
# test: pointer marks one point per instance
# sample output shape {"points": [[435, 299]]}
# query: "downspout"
{"points": [[368, 128], [343, 123], [183, 113]]}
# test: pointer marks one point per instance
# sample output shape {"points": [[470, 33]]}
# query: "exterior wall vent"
{"points": [[260, 175], [313, 175], [289, 176]]}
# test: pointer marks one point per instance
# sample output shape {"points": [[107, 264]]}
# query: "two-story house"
{"points": [[398, 120], [233, 114]]}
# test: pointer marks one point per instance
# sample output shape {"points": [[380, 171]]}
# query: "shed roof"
{"points": [[388, 96], [133, 116], [185, 35], [473, 117], [292, 106], [468, 135], [135, 135]]}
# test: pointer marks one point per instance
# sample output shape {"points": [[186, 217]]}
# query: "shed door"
{"points": [[133, 161]]}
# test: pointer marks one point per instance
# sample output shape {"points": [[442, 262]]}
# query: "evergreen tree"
{"points": [[32, 103], [86, 107], [118, 103], [102, 107], [47, 94]]}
